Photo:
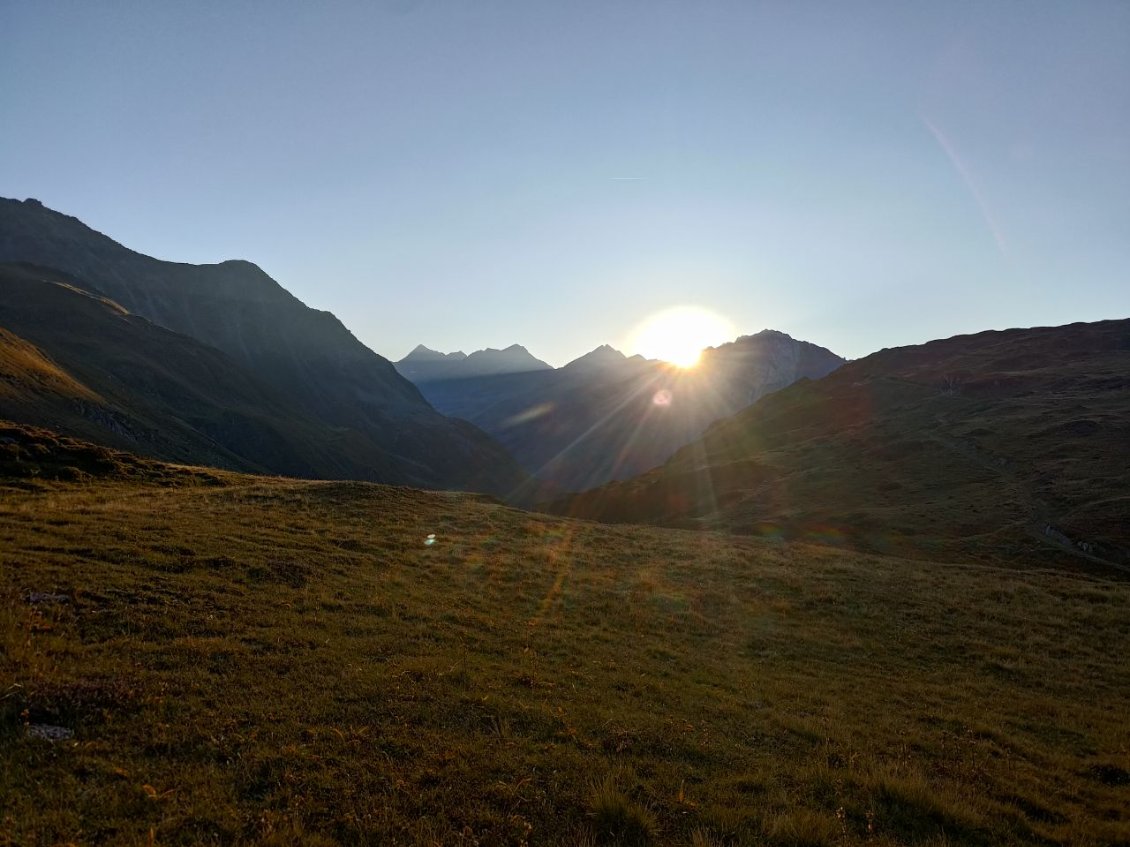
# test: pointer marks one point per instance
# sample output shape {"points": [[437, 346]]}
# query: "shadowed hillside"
{"points": [[1001, 445], [303, 355], [605, 416], [198, 658], [31, 454], [81, 364]]}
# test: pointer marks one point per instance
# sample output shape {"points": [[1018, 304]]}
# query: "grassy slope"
{"points": [[24, 368], [254, 660], [969, 446]]}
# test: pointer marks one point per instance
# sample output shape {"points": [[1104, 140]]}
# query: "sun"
{"points": [[679, 334]]}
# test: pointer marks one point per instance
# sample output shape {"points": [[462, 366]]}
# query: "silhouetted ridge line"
{"points": [[305, 356], [426, 365], [1010, 445], [606, 416]]}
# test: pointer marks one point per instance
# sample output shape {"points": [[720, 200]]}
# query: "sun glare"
{"points": [[678, 335]]}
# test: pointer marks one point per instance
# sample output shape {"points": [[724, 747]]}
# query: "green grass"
{"points": [[257, 661]]}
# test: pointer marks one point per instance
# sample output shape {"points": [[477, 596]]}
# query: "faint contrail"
{"points": [[967, 178], [628, 178]]}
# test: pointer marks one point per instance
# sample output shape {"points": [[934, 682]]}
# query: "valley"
{"points": [[1002, 446], [606, 416], [776, 599], [253, 660], [533, 424]]}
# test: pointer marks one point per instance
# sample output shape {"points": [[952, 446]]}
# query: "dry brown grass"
{"points": [[258, 661]]}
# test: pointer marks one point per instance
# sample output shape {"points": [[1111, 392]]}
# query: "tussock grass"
{"points": [[258, 661], [801, 828], [617, 819]]}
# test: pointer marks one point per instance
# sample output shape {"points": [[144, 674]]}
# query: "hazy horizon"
{"points": [[467, 177]]}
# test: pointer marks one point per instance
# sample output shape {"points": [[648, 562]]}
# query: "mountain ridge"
{"points": [[305, 354], [426, 365], [997, 443], [605, 416]]}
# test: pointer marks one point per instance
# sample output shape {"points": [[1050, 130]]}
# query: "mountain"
{"points": [[426, 365], [304, 359], [606, 359], [426, 354], [80, 364], [605, 416], [1010, 445]]}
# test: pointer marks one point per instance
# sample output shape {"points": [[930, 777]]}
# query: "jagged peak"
{"points": [[42, 210], [423, 353], [513, 349]]}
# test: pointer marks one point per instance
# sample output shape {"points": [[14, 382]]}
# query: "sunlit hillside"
{"points": [[196, 657]]}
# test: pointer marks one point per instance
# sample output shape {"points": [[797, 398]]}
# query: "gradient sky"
{"points": [[476, 174]]}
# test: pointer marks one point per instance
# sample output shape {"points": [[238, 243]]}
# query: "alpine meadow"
{"points": [[565, 425]]}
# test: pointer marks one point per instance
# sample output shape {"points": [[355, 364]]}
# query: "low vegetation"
{"points": [[1001, 447], [215, 659]]}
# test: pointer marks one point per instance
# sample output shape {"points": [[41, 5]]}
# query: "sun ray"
{"points": [[644, 387]]}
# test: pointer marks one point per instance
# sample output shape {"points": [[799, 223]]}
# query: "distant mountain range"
{"points": [[606, 416], [226, 368], [1009, 446], [426, 365], [1002, 446]]}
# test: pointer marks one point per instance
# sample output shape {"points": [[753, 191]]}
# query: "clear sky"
{"points": [[473, 174]]}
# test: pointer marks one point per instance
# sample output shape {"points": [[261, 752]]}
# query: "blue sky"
{"points": [[475, 174]]}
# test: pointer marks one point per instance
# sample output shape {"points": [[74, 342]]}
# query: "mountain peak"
{"points": [[242, 265], [604, 356]]}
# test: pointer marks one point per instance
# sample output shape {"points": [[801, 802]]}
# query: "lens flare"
{"points": [[678, 335]]}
